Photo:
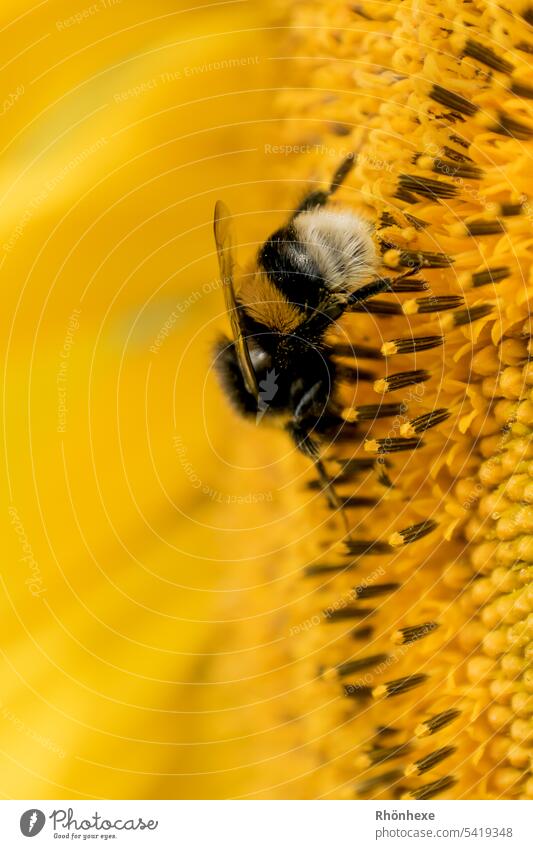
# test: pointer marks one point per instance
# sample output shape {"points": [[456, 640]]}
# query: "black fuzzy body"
{"points": [[308, 274]]}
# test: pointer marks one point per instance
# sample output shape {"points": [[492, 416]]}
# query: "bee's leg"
{"points": [[309, 447], [319, 198], [380, 284], [306, 405], [331, 312]]}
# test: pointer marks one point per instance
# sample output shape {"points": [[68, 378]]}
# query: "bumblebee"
{"points": [[280, 364]]}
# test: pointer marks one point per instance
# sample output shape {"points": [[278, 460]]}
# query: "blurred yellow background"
{"points": [[144, 639]]}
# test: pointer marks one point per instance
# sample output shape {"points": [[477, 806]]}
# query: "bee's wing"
{"points": [[224, 242]]}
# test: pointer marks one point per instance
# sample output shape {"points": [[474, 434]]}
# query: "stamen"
{"points": [[392, 445], [351, 666], [425, 764], [436, 723], [509, 209], [508, 126], [426, 187], [362, 633], [373, 590], [387, 220], [354, 691], [386, 779], [360, 547], [487, 57], [460, 141], [422, 423], [429, 791], [453, 154], [407, 197], [467, 316], [465, 171], [464, 168], [399, 686], [484, 228], [400, 380], [404, 636], [524, 46], [333, 614], [377, 307], [325, 569], [369, 412], [354, 465], [432, 304], [491, 275], [451, 100], [411, 346], [412, 533], [417, 223], [394, 257], [381, 754], [410, 285], [386, 730], [353, 501]]}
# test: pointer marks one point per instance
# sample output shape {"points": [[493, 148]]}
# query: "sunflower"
{"points": [[182, 614], [416, 630]]}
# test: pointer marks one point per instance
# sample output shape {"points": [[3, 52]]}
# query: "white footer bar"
{"points": [[267, 824]]}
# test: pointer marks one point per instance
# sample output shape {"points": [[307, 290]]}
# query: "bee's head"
{"points": [[230, 375]]}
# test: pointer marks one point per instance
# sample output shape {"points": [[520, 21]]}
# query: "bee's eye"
{"points": [[260, 359]]}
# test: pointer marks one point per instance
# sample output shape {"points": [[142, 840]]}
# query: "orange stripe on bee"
{"points": [[265, 303]]}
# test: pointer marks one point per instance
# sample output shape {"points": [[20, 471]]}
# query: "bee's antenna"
{"points": [[331, 494], [224, 242], [307, 445], [346, 165], [342, 172], [320, 197]]}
